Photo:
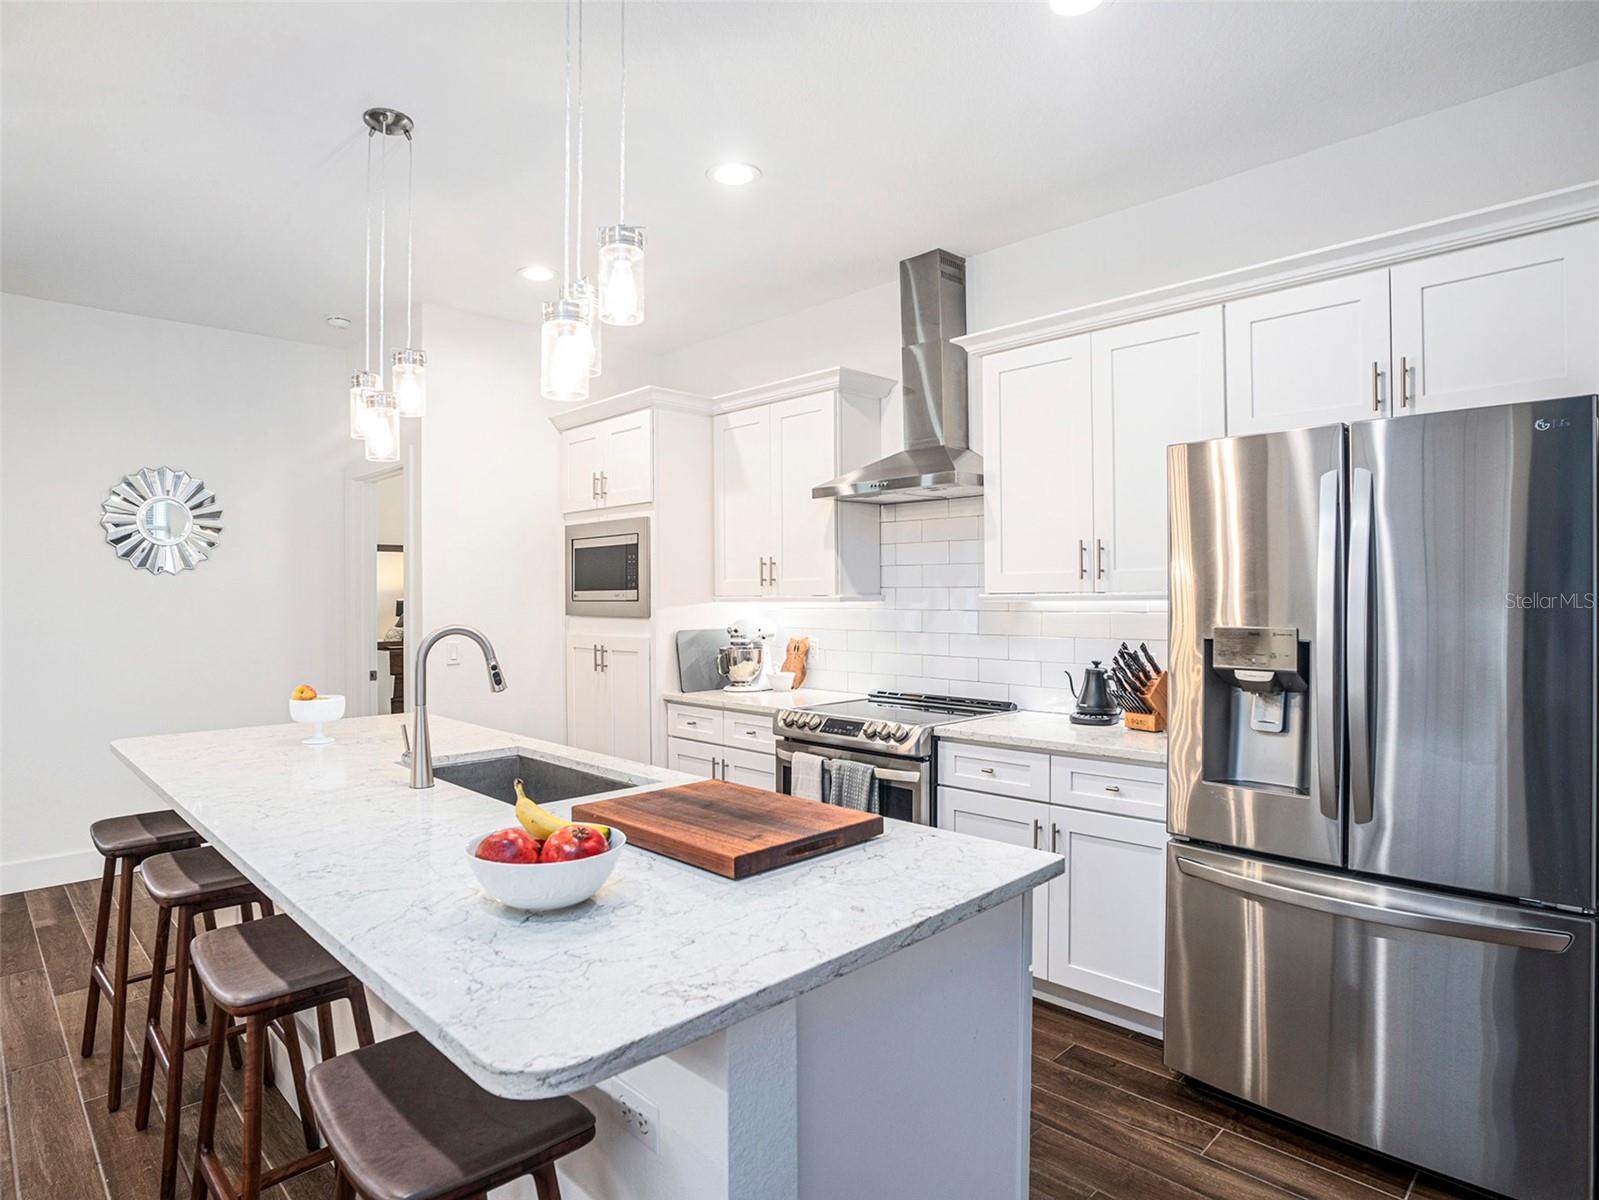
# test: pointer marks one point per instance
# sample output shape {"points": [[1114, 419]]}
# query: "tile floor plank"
{"points": [[1383, 1174], [85, 898], [1058, 1079], [19, 950], [94, 1072], [1076, 1030], [61, 942], [1151, 1086], [1111, 1177], [54, 1152], [1293, 1175], [29, 1030]]}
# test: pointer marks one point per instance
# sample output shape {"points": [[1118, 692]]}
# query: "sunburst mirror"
{"points": [[161, 520]]}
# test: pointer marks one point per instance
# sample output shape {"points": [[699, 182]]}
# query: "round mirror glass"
{"points": [[165, 521]]}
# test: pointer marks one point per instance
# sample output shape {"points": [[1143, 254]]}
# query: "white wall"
{"points": [[93, 650]]}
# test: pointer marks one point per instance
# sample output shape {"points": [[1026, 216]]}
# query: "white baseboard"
{"points": [[49, 870], [1094, 1006]]}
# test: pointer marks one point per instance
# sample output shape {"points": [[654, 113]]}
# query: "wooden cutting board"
{"points": [[730, 829]]}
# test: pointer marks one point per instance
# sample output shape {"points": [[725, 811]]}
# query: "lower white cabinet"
{"points": [[1099, 929], [713, 744], [608, 695]]}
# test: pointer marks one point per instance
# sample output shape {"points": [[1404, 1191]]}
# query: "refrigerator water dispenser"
{"points": [[1257, 686]]}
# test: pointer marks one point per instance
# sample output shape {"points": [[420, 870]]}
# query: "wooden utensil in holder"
{"points": [[1155, 696]]}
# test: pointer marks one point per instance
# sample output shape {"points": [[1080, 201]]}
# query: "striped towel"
{"points": [[852, 785]]}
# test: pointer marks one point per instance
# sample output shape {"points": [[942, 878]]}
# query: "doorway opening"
{"points": [[380, 560]]}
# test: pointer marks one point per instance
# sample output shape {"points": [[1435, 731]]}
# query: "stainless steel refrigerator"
{"points": [[1380, 887]]}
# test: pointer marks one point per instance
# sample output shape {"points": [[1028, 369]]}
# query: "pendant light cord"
{"points": [[577, 250], [566, 187], [367, 289], [410, 228], [383, 253], [621, 170]]}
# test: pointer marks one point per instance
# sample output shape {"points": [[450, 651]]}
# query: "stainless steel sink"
{"points": [[546, 781]]}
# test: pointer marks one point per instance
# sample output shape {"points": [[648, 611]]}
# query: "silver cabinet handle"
{"points": [[752, 733], [595, 650], [1404, 382], [1099, 558], [1328, 739], [724, 768], [1358, 645], [594, 485], [985, 770], [774, 572], [1054, 838], [713, 768], [605, 655], [1111, 787], [1038, 828], [1082, 559], [691, 724], [605, 488], [1376, 389], [763, 570], [1371, 904]]}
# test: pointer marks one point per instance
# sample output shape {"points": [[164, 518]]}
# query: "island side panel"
{"points": [[915, 1071]]}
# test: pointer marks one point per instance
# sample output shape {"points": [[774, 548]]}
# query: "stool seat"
{"points": [[142, 834], [187, 876], [404, 1123], [255, 965]]}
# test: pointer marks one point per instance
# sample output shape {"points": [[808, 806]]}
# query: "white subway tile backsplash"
{"points": [[868, 681], [995, 670], [978, 646], [827, 679], [902, 531], [971, 552], [874, 640], [1138, 627], [966, 506], [889, 550], [898, 664], [925, 684], [1103, 649], [923, 552], [1075, 625], [953, 621], [951, 668], [951, 529], [1021, 624], [919, 510], [922, 597], [922, 643], [953, 574], [986, 691], [1043, 698], [1043, 649], [898, 577], [897, 618]]}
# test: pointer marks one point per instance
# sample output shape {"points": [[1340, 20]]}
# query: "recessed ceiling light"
{"points": [[337, 321], [1073, 8], [536, 274], [735, 174]]}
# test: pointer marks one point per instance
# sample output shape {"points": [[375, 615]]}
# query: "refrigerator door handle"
{"points": [[1358, 664], [1325, 669], [1359, 901]]}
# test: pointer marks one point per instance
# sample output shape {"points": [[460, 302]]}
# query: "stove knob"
{"points": [[814, 721], [872, 729], [901, 733], [787, 717]]}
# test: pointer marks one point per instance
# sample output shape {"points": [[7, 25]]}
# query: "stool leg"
{"points": [[289, 1026], [102, 922], [152, 1018], [326, 1039], [206, 1136], [544, 1180], [119, 997], [342, 1188], [363, 1018], [255, 1050], [176, 1044], [209, 918]]}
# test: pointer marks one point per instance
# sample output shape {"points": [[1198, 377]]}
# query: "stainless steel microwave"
{"points": [[608, 568]]}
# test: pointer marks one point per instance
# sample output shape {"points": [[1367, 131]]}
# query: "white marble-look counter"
{"points": [[761, 702], [534, 1005], [1054, 733]]}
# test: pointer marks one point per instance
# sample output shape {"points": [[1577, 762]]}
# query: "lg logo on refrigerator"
{"points": [[1544, 424]]}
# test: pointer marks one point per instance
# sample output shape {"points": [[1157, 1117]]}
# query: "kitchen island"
{"points": [[857, 1024]]}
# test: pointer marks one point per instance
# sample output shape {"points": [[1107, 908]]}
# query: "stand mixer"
{"points": [[743, 660]]}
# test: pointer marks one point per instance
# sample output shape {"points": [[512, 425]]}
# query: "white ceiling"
{"points": [[203, 162]]}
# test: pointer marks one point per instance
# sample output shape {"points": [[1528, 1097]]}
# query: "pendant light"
{"points": [[382, 426], [365, 381], [621, 269], [566, 339], [409, 365]]}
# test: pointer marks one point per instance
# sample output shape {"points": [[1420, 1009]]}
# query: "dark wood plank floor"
{"points": [[1109, 1120]]}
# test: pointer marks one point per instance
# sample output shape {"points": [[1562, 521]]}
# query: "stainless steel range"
{"points": [[892, 732]]}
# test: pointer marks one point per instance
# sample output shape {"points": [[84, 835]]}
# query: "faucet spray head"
{"points": [[496, 676]]}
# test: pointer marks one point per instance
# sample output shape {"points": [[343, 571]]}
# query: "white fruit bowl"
{"points": [[316, 713], [542, 887]]}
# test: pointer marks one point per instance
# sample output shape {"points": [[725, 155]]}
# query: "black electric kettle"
{"points": [[1094, 703]]}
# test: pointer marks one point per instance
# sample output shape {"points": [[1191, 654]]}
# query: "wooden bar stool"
{"points": [[127, 841], [185, 885], [404, 1123], [263, 973]]}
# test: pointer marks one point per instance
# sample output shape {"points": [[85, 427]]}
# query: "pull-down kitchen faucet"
{"points": [[421, 746]]}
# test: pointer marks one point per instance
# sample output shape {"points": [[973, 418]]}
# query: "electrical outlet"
{"points": [[640, 1117]]}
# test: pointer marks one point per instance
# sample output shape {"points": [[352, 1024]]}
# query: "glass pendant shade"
{"points": [[588, 296], [410, 382], [362, 384], [382, 424], [622, 275], [566, 348]]}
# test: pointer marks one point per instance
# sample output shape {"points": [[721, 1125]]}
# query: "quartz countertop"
{"points": [[761, 702], [1054, 732], [534, 1005]]}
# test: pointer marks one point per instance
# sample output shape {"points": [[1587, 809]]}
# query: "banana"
{"points": [[538, 821]]}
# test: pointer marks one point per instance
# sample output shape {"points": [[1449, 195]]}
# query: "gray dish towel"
{"points": [[852, 785]]}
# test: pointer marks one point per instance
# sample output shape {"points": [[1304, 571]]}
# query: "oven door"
{"points": [[904, 785]]}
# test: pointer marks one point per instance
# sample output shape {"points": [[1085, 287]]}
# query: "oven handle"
{"points": [[880, 772]]}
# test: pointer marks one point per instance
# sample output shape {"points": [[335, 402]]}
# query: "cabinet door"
{"points": [[1107, 915], [588, 718], [1014, 822], [749, 767], [1038, 493], [1500, 324], [804, 547], [627, 466], [692, 758], [743, 462], [1311, 355], [581, 451], [1155, 382], [625, 676]]}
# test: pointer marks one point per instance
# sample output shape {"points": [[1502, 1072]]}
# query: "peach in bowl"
{"points": [[523, 872]]}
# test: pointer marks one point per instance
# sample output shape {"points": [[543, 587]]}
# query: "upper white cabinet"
{"points": [[1038, 485], [608, 694], [772, 445], [1311, 355], [1155, 382], [1500, 323], [608, 463]]}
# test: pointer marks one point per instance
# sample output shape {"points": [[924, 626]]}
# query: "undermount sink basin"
{"points": [[546, 781]]}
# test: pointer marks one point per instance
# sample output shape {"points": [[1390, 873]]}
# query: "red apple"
{"points": [[510, 846], [572, 842]]}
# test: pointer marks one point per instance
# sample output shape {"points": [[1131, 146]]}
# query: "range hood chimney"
{"points": [[937, 461]]}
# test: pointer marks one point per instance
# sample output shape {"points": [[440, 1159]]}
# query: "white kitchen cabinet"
{"points": [[1014, 822], [1154, 383], [1500, 323], [1107, 914], [608, 694], [732, 763], [716, 744], [1038, 487], [1310, 355], [609, 463], [692, 758], [772, 446]]}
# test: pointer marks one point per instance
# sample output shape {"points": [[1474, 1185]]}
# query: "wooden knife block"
{"points": [[1155, 696]]}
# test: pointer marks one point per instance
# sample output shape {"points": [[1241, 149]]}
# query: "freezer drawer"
{"points": [[1455, 1034]]}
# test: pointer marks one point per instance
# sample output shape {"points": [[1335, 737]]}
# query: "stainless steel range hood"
{"points": [[937, 461]]}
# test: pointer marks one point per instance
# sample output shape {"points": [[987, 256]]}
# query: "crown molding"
{"points": [[631, 401], [1532, 214], [852, 384]]}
